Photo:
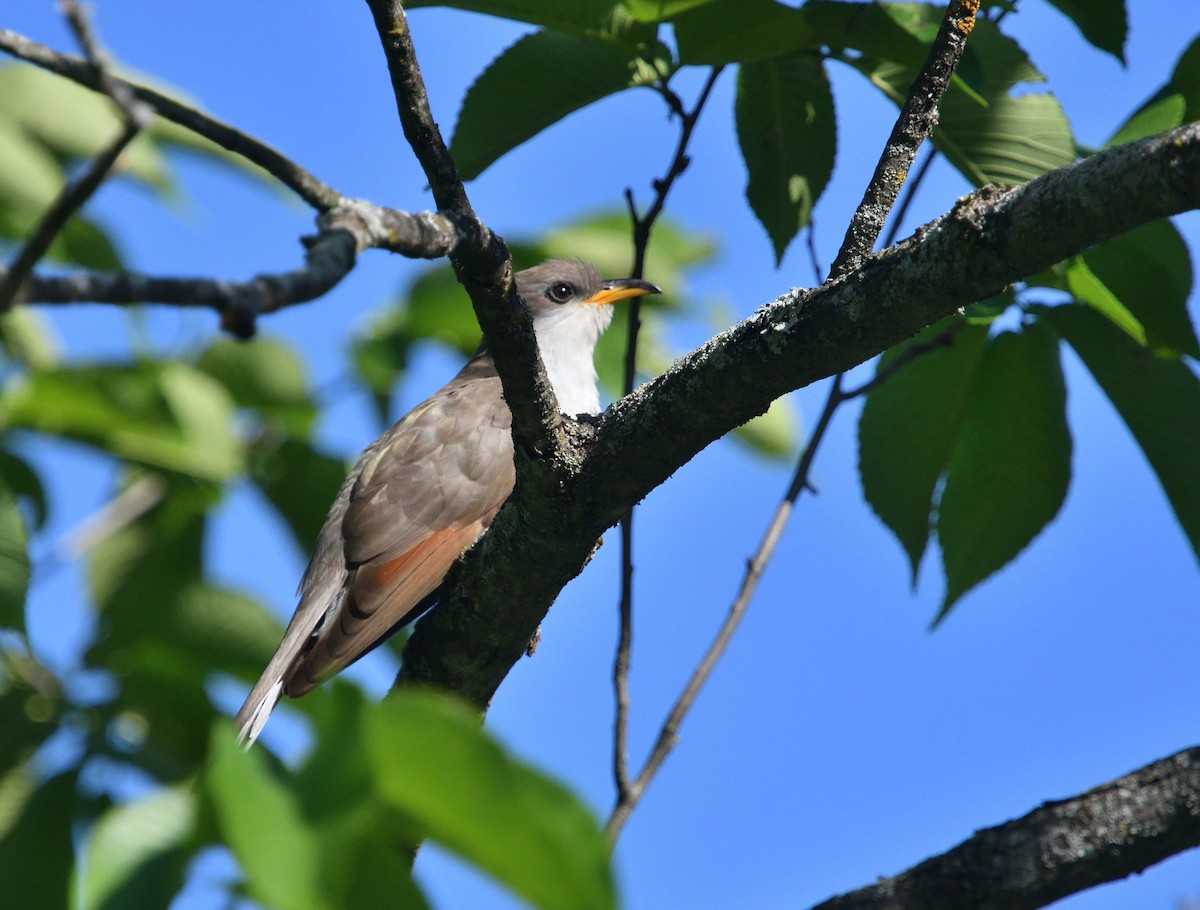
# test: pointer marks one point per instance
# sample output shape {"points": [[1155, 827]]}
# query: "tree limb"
{"points": [[1060, 848]]}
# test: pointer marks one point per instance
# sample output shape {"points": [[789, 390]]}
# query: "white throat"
{"points": [[567, 337]]}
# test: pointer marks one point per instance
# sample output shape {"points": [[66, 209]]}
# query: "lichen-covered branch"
{"points": [[1058, 849]]}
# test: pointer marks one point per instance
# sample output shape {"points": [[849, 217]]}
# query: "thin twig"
{"points": [[914, 123], [72, 198], [917, 118], [642, 226], [316, 193]]}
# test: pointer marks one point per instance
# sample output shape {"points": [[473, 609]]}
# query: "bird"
{"points": [[425, 490]]}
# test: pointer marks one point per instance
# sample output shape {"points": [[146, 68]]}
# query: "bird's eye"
{"points": [[560, 292]]}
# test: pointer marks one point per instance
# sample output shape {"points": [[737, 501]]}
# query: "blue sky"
{"points": [[840, 739]]}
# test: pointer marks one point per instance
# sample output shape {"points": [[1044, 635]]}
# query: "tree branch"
{"points": [[306, 186], [1059, 849], [642, 226], [134, 116], [481, 262], [502, 588], [916, 121]]}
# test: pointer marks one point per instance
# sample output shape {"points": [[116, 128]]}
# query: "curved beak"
{"points": [[621, 289]]}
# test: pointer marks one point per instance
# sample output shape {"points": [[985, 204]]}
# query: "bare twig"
{"points": [[642, 226], [916, 119], [134, 116], [1061, 848], [317, 194]]}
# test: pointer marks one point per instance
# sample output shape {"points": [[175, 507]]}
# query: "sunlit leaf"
{"points": [[135, 855], [433, 762], [1156, 117], [1158, 397], [260, 820], [1149, 269], [536, 82], [661, 10], [1087, 288], [787, 135], [579, 16], [163, 415], [1010, 467], [26, 337], [264, 375]]}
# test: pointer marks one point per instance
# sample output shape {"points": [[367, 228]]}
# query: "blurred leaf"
{"points": [[1157, 397], [773, 434], [537, 82], [787, 134], [765, 29], [1185, 79], [984, 312], [164, 415], [31, 705], [300, 483], [1149, 270], [14, 562], [1011, 464], [434, 763], [908, 429], [135, 854], [1102, 22], [1156, 117], [24, 483], [1089, 289], [261, 822], [365, 844], [36, 852], [264, 375], [27, 338]]}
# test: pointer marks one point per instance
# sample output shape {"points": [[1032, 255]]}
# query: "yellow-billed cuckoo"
{"points": [[426, 489]]}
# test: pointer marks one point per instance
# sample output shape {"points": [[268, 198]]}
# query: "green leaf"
{"points": [[264, 375], [36, 852], [773, 434], [536, 82], [261, 822], [1102, 22], [31, 705], [300, 483], [787, 134], [1009, 139], [1157, 397], [578, 16], [870, 28], [908, 428], [765, 29], [27, 338], [135, 854], [1185, 79], [1149, 270], [660, 10], [14, 562], [163, 415], [1008, 473], [1087, 288], [1155, 117], [434, 763]]}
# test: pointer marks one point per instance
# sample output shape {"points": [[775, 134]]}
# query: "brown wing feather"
{"points": [[419, 495]]}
